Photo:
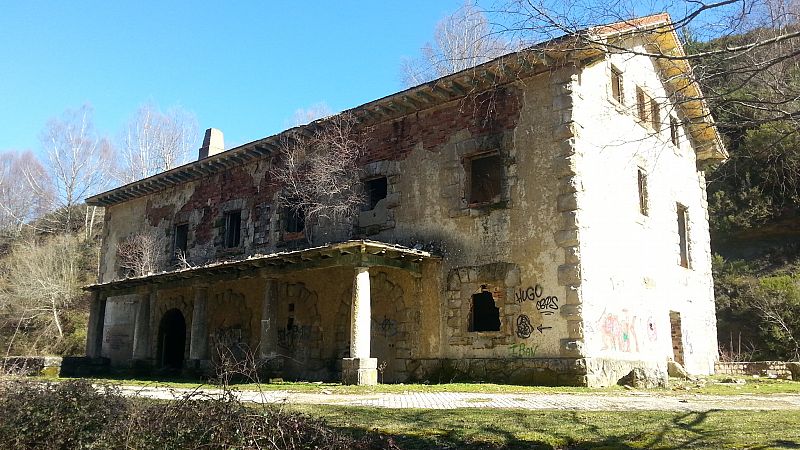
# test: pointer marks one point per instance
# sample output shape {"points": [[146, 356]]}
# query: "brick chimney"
{"points": [[213, 143]]}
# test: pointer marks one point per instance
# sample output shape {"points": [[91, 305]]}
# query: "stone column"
{"points": [[198, 341], [141, 331], [269, 326], [360, 368], [94, 332]]}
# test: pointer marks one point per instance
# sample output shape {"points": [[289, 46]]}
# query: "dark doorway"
{"points": [[676, 331], [171, 340]]}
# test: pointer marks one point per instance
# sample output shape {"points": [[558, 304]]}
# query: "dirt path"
{"points": [[452, 400]]}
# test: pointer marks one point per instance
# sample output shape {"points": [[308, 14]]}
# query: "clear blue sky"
{"points": [[242, 67]]}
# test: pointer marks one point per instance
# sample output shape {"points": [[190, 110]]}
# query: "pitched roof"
{"points": [[499, 71]]}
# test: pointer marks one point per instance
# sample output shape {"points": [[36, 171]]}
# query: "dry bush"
{"points": [[142, 254]]}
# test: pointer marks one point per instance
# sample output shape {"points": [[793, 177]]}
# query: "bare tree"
{"points": [[20, 204], [461, 40], [319, 174], [142, 254], [303, 116], [77, 164], [155, 142], [43, 281]]}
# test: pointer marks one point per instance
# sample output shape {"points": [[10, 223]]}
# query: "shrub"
{"points": [[75, 415]]}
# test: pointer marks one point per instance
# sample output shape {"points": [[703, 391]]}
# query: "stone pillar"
{"points": [[198, 341], [141, 331], [360, 368], [94, 332], [269, 327]]}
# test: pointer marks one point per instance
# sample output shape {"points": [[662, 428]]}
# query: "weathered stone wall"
{"points": [[631, 277], [774, 369]]}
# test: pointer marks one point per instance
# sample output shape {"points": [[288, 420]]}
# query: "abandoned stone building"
{"points": [[538, 219]]}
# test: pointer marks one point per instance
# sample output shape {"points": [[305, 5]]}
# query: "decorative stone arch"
{"points": [[229, 329], [299, 331], [162, 306], [393, 327]]}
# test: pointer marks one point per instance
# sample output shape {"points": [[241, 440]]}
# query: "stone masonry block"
{"points": [[572, 255], [569, 274], [567, 202], [567, 238]]}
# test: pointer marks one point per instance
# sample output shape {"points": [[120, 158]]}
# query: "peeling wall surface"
{"points": [[578, 283]]}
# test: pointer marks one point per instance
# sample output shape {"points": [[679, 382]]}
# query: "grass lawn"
{"points": [[710, 385], [520, 429]]}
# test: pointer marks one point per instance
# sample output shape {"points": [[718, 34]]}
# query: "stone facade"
{"points": [[519, 181]]}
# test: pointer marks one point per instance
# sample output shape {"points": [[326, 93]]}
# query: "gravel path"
{"points": [[451, 400]]}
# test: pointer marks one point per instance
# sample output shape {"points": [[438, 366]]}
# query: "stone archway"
{"points": [[391, 330], [172, 340]]}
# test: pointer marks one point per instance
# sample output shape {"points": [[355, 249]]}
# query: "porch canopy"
{"points": [[360, 255]]}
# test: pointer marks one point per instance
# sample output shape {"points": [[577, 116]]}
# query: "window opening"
{"points": [[485, 315], [655, 114], [233, 228], [616, 85], [485, 179], [673, 129], [642, 181], [295, 219], [641, 104], [683, 241], [375, 190], [181, 242]]}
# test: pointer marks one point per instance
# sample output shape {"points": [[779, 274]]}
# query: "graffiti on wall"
{"points": [[546, 305], [620, 332], [293, 336], [522, 350], [385, 328], [525, 328]]}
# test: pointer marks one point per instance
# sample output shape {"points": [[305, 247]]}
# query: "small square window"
{"points": [[485, 179], [642, 182], [181, 241], [683, 240], [616, 86], [295, 219], [375, 191], [673, 130], [233, 228]]}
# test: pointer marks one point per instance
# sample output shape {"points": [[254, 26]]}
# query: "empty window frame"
{"points": [[294, 219], [655, 114], [683, 239], [642, 185], [233, 228], [180, 243], [617, 92], [673, 130], [375, 190], [642, 105], [485, 316], [485, 179]]}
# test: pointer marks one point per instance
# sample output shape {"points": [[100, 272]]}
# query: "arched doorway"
{"points": [[171, 339]]}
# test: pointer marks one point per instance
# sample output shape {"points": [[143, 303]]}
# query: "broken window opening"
{"points": [[233, 228], [616, 86], [673, 130], [295, 219], [655, 115], [485, 316], [181, 242], [376, 190], [485, 179], [683, 241], [641, 105], [642, 182]]}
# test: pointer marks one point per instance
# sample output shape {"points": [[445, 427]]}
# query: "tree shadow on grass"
{"points": [[551, 430]]}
